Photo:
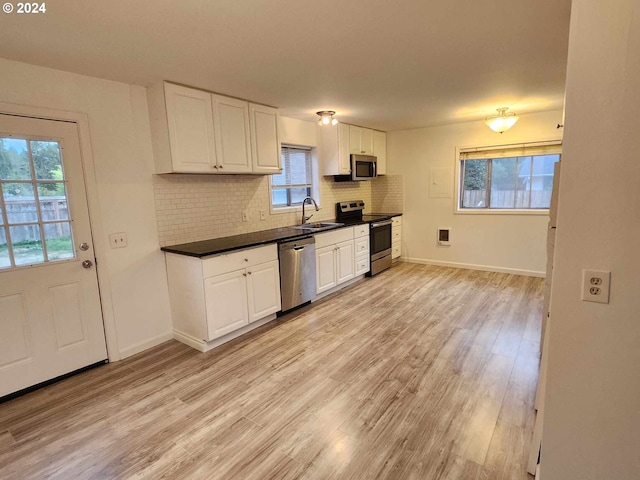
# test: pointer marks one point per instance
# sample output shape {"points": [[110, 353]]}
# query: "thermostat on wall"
{"points": [[444, 236]]}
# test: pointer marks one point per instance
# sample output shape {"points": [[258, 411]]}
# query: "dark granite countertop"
{"points": [[205, 248]]}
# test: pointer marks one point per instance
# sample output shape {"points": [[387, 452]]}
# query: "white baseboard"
{"points": [[203, 346], [140, 347], [470, 266]]}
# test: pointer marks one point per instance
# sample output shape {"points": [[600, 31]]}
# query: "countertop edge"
{"points": [[180, 251]]}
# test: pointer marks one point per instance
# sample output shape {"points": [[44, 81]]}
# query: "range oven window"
{"points": [[380, 237]]}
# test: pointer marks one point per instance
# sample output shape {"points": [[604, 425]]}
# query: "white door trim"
{"points": [[97, 231]]}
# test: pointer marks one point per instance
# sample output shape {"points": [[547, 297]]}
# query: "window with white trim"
{"points": [[290, 187], [512, 177]]}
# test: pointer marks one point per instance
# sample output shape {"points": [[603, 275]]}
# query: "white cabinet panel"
{"points": [[345, 266], [226, 303], [362, 246], [335, 150], [263, 289], [360, 140], [325, 268], [190, 124], [361, 230], [265, 143], [380, 151], [232, 134], [362, 264]]}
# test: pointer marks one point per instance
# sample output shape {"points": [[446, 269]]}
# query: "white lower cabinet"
{"points": [[396, 237], [263, 290], [219, 295], [226, 302], [345, 258], [340, 257]]}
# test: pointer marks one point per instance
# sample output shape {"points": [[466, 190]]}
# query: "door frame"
{"points": [[95, 218]]}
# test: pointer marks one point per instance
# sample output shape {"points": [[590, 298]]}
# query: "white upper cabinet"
{"points": [[360, 140], [380, 151], [335, 149], [190, 125], [339, 141], [265, 144], [232, 133], [194, 131]]}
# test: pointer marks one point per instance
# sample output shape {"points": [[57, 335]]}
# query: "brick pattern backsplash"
{"points": [[387, 194], [190, 208]]}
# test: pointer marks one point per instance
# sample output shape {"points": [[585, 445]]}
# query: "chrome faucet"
{"points": [[304, 218]]}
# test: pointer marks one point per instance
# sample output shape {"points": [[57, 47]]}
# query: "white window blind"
{"points": [[295, 182]]}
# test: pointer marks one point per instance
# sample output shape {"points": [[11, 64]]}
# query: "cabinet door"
{"points": [[233, 140], [366, 142], [380, 151], [345, 262], [190, 124], [226, 303], [325, 268], [344, 158], [355, 136], [265, 143], [263, 288]]}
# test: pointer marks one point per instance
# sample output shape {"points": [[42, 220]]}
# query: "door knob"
{"points": [[87, 264], [84, 246]]}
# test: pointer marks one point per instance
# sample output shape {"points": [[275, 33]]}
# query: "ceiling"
{"points": [[378, 63]]}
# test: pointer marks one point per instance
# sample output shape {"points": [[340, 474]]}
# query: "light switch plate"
{"points": [[595, 286]]}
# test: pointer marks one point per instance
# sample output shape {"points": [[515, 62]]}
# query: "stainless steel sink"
{"points": [[316, 226]]}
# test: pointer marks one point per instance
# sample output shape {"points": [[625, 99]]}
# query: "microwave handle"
{"points": [[375, 169]]}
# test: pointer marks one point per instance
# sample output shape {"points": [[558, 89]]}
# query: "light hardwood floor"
{"points": [[421, 372]]}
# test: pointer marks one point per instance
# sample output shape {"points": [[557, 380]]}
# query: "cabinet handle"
{"points": [[214, 166], [249, 273], [220, 167], [246, 259], [244, 274]]}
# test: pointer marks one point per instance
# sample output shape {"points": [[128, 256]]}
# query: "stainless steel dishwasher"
{"points": [[297, 272]]}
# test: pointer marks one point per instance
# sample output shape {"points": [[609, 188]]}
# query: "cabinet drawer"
{"points": [[395, 250], [396, 234], [362, 264], [333, 237], [362, 245], [360, 230], [228, 262], [397, 221]]}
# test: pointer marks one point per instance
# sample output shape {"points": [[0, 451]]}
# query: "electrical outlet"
{"points": [[244, 215], [263, 215], [595, 286], [118, 240]]}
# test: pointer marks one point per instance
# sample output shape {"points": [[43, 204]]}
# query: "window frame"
{"points": [[315, 183], [458, 179]]}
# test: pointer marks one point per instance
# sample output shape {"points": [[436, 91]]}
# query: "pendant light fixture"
{"points": [[326, 117], [503, 121]]}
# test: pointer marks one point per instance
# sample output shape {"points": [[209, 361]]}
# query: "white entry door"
{"points": [[50, 315]]}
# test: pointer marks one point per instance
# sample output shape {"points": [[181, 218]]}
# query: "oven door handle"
{"points": [[381, 224]]}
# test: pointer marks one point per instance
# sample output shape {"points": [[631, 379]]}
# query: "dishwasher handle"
{"points": [[298, 247]]}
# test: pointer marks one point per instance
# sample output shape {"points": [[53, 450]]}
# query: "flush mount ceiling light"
{"points": [[503, 121], [326, 117]]}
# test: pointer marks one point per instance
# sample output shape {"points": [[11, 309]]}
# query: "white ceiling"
{"points": [[387, 64]]}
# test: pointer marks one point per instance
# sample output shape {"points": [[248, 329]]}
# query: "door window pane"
{"points": [[5, 261], [59, 242], [20, 202], [14, 159], [53, 201], [46, 160], [27, 246]]}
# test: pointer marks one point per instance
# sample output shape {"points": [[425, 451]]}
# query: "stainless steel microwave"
{"points": [[363, 167]]}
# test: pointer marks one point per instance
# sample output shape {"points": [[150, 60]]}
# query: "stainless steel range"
{"points": [[350, 212]]}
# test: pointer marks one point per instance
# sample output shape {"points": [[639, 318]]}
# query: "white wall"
{"points": [[511, 243], [592, 403], [133, 279]]}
